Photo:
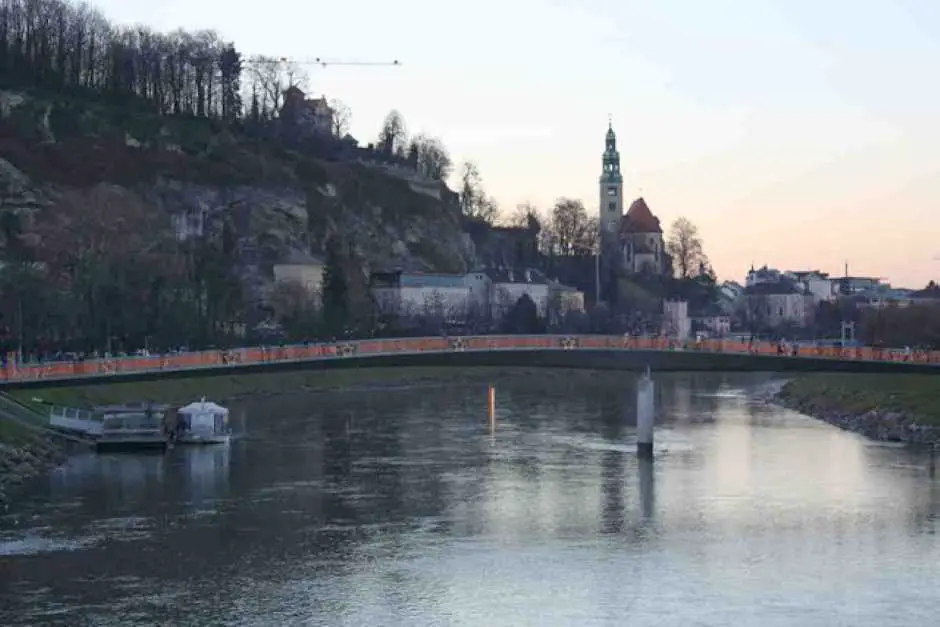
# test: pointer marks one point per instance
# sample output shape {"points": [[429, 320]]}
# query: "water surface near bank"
{"points": [[400, 507]]}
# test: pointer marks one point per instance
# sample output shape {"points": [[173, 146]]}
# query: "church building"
{"points": [[635, 238]]}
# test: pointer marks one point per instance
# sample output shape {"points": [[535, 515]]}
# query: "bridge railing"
{"points": [[257, 355]]}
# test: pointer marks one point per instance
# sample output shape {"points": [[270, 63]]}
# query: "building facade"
{"points": [[459, 297], [772, 305]]}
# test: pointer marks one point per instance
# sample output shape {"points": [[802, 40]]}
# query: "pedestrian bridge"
{"points": [[572, 351]]}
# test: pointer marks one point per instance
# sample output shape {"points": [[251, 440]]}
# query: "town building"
{"points": [[309, 116], [814, 282], [634, 239], [417, 294], [712, 322], [482, 293], [774, 304]]}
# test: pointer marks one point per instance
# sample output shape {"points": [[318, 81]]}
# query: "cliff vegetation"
{"points": [[114, 139]]}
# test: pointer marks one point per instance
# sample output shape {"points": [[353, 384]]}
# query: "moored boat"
{"points": [[203, 422], [131, 428]]}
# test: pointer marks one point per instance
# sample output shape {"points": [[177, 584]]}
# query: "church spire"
{"points": [[611, 183], [611, 158]]}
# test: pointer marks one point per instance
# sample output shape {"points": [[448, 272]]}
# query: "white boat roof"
{"points": [[202, 406]]}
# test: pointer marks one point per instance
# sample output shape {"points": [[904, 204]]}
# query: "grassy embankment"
{"points": [[917, 396], [228, 387]]}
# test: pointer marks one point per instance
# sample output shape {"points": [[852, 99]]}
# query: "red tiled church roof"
{"points": [[639, 219]]}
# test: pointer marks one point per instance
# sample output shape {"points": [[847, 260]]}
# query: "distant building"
{"points": [[636, 238], [770, 305], [848, 285], [418, 294], [762, 275], [309, 116], [564, 299], [816, 283], [730, 294], [189, 223], [460, 296], [302, 269], [510, 285]]}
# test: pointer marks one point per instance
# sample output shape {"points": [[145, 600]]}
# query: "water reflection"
{"points": [[404, 508]]}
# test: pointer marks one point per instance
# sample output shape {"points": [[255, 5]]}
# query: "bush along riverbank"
{"points": [[23, 457], [889, 408]]}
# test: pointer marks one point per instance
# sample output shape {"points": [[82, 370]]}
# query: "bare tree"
{"points": [[474, 203], [394, 135], [342, 116], [526, 216], [433, 160], [270, 77], [573, 232], [685, 247]]}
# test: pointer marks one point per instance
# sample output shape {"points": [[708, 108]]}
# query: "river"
{"points": [[403, 507]]}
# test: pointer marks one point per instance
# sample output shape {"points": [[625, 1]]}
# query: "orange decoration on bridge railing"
{"points": [[261, 354]]}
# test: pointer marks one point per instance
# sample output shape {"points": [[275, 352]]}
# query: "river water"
{"points": [[403, 507]]}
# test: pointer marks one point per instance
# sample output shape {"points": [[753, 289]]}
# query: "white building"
{"points": [[816, 283], [459, 296], [769, 305], [406, 294], [762, 275], [508, 286], [190, 223]]}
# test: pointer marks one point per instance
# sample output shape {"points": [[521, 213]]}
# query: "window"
{"points": [[611, 191], [612, 206]]}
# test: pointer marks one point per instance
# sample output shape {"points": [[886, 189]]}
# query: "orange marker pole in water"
{"points": [[491, 405]]}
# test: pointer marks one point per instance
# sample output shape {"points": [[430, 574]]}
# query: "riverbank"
{"points": [[227, 388], [24, 454], [885, 407]]}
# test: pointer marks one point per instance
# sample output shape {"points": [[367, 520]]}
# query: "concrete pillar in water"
{"points": [[645, 414]]}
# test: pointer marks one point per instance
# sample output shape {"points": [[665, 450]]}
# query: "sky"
{"points": [[795, 133]]}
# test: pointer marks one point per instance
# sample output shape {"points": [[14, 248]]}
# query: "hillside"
{"points": [[78, 173]]}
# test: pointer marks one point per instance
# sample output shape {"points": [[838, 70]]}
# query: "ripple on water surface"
{"points": [[400, 507]]}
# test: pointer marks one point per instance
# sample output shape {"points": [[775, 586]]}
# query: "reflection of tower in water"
{"points": [[647, 487], [612, 467]]}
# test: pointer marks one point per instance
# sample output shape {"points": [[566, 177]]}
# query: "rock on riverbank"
{"points": [[23, 461], [876, 413]]}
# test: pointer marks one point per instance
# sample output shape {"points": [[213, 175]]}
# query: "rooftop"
{"points": [[639, 219]]}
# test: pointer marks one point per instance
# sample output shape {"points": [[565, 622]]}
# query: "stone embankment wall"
{"points": [[25, 460], [886, 425]]}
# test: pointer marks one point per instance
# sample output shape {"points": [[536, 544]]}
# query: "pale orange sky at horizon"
{"points": [[794, 133]]}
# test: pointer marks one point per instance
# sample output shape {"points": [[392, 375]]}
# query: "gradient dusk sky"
{"points": [[795, 133]]}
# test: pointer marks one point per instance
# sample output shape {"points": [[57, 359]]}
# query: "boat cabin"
{"points": [[203, 422]]}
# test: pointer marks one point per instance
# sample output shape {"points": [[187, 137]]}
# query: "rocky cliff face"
{"points": [[279, 202]]}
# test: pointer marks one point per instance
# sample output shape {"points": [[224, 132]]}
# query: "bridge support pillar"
{"points": [[645, 415]]}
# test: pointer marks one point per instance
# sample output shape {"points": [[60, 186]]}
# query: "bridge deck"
{"points": [[760, 355]]}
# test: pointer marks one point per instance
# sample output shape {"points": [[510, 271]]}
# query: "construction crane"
{"points": [[326, 62]]}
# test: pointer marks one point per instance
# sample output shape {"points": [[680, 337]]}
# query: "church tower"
{"points": [[611, 186]]}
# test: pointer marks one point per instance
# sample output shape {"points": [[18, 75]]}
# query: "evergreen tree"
{"points": [[335, 290]]}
